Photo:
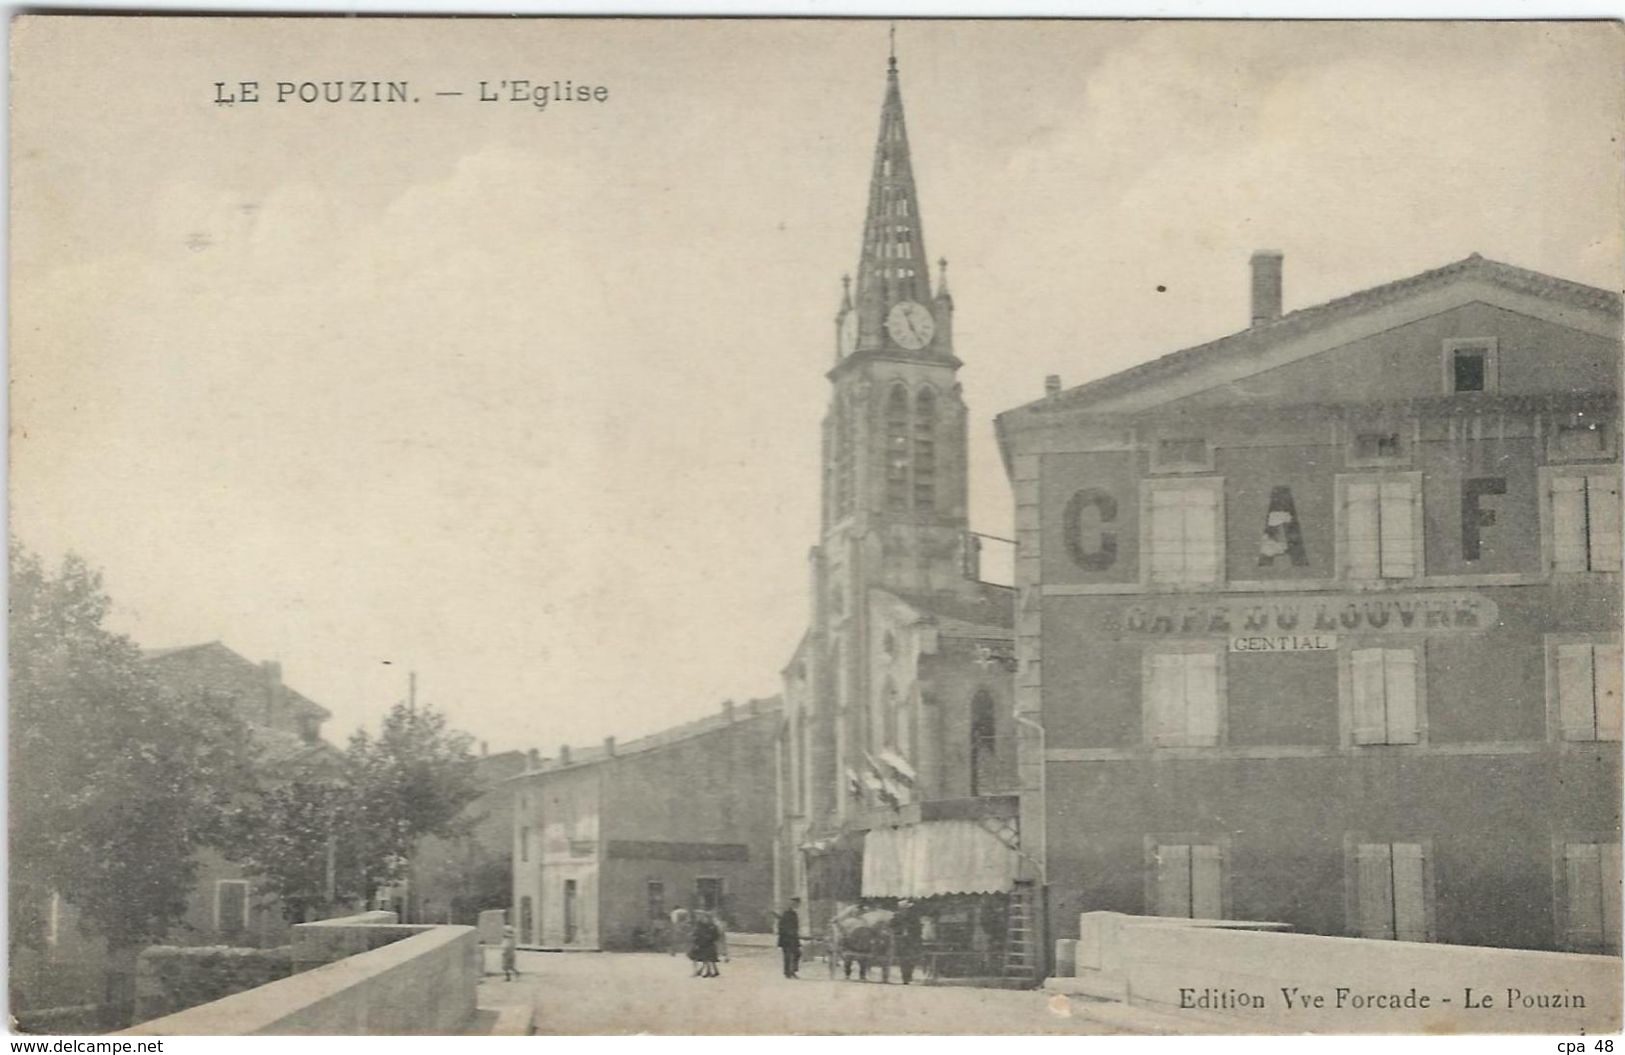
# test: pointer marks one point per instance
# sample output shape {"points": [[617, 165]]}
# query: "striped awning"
{"points": [[936, 857]]}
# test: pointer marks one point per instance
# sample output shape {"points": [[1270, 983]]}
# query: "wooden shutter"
{"points": [[1201, 697], [1167, 535], [1398, 518], [1201, 535], [1410, 892], [1576, 701], [1568, 523], [1606, 675], [1367, 687], [1399, 695], [1373, 883], [1602, 512], [1360, 529], [1174, 880], [1165, 695], [1583, 864], [1207, 878]]}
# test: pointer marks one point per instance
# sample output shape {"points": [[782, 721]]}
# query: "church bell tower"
{"points": [[894, 509]]}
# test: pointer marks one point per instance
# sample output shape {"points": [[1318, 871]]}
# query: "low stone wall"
{"points": [[421, 982], [171, 978], [1240, 977]]}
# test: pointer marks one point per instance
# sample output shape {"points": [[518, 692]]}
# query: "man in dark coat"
{"points": [[790, 938]]}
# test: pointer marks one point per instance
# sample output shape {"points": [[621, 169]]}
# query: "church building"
{"points": [[897, 775]]}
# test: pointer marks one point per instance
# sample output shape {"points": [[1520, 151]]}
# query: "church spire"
{"points": [[892, 266]]}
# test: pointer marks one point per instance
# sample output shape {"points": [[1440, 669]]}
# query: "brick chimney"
{"points": [[533, 759], [1266, 285], [1052, 385], [564, 754], [275, 695], [609, 746], [727, 710]]}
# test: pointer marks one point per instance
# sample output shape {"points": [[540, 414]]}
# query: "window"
{"points": [[1183, 697], [1584, 523], [524, 843], [1182, 454], [1590, 903], [1383, 696], [1587, 681], [230, 905], [897, 450], [925, 451], [1380, 531], [1391, 888], [983, 742], [1183, 540], [1189, 880], [708, 893], [657, 900], [1470, 365]]}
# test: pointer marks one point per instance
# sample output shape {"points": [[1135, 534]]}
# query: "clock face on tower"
{"points": [[849, 333], [910, 325]]}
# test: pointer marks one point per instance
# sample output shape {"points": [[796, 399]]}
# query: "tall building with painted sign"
{"points": [[1322, 619]]}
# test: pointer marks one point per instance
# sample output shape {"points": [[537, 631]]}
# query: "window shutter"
{"points": [[1167, 535], [1398, 519], [1201, 535], [1399, 692], [1360, 533], [1585, 911], [1609, 853], [1174, 880], [1374, 884], [1202, 697], [1568, 523], [1207, 875], [1165, 696], [1368, 686], [1602, 509], [1410, 893], [1576, 703], [1606, 675]]}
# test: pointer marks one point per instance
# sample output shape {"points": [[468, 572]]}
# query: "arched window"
{"points": [[983, 740], [897, 451], [925, 451]]}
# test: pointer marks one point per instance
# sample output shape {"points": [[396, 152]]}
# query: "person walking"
{"points": [[510, 953], [790, 938], [678, 938], [703, 950]]}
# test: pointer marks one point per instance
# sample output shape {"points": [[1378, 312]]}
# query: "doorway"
{"points": [[569, 912]]}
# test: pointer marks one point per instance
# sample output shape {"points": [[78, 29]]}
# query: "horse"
{"points": [[862, 936]]}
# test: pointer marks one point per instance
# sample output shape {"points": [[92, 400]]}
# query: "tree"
{"points": [[321, 844], [412, 780], [114, 784], [287, 839]]}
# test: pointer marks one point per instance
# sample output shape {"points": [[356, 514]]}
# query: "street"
{"points": [[621, 993]]}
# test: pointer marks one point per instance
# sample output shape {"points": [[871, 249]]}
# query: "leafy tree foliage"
{"points": [[322, 845], [114, 784], [413, 779]]}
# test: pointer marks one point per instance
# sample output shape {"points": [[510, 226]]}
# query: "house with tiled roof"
{"points": [[1321, 619]]}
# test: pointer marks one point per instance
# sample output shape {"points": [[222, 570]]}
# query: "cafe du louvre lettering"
{"points": [[1308, 616]]}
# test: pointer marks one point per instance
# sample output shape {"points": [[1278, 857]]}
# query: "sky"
{"points": [[527, 400]]}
